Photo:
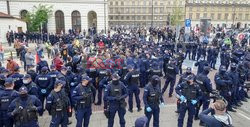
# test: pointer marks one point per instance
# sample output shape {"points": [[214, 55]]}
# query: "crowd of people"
{"points": [[111, 68]]}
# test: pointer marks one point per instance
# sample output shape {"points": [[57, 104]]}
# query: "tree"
{"points": [[177, 16], [39, 16]]}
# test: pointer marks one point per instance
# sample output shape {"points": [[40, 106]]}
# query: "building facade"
{"points": [[220, 12], [66, 14], [143, 12]]}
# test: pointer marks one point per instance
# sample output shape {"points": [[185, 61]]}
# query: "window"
{"points": [[138, 10], [161, 10], [127, 10], [197, 15], [133, 3], [190, 16], [127, 17], [190, 8], [144, 17], [138, 17], [23, 14], [122, 17], [76, 20], [133, 17], [205, 8], [111, 3], [111, 17], [156, 10], [111, 10], [240, 16], [219, 16], [133, 10], [116, 3], [116, 17], [59, 17], [226, 16], [205, 15], [246, 16], [122, 3]]}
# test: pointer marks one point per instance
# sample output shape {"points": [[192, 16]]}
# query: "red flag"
{"points": [[37, 59]]}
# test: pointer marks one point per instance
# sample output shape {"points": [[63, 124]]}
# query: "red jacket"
{"points": [[58, 63]]}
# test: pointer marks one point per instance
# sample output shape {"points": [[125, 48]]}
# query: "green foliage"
{"points": [[176, 17], [39, 15]]}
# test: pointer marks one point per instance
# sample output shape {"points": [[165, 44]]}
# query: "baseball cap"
{"points": [[23, 90]]}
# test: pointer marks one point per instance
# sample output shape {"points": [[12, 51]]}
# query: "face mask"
{"points": [[115, 82], [222, 72], [233, 68], [154, 82], [25, 81], [23, 96]]}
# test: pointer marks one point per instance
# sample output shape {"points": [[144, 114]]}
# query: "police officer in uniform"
{"points": [[58, 105], [152, 98], [115, 94], [183, 79], [24, 109], [31, 86], [31, 71], [189, 93], [132, 81], [53, 73], [18, 78], [205, 85], [223, 83], [102, 85], [170, 70], [44, 83], [83, 98], [6, 96]]}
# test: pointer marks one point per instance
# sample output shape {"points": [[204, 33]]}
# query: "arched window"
{"points": [[59, 16], [76, 21], [23, 14]]}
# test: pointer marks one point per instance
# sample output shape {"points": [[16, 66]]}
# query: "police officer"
{"points": [[223, 84], [206, 88], [132, 81], [234, 75], [31, 86], [102, 85], [201, 63], [31, 71], [189, 93], [17, 77], [144, 67], [6, 96], [24, 109], [115, 94], [58, 105], [44, 83], [53, 73], [152, 98], [170, 70], [183, 79], [83, 97], [155, 69], [42, 63]]}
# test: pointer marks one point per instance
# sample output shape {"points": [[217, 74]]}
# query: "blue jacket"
{"points": [[211, 121]]}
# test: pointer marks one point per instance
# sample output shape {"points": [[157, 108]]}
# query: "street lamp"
{"points": [[152, 15], [105, 24]]}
